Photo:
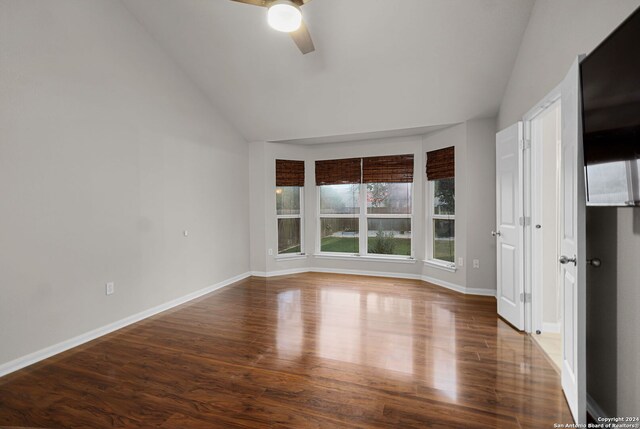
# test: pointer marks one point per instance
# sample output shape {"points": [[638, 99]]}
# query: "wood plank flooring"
{"points": [[302, 351]]}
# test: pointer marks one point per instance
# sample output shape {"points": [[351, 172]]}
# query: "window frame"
{"points": [[363, 227], [431, 217], [300, 216], [368, 216], [320, 216]]}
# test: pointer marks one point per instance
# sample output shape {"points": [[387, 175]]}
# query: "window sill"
{"points": [[440, 265], [370, 258], [290, 257]]}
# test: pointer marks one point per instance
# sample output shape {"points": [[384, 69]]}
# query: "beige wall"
{"points": [[476, 174], [557, 32], [107, 153]]}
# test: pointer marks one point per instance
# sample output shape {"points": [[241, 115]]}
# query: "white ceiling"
{"points": [[378, 66]]}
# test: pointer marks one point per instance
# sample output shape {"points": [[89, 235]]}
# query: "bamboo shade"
{"points": [[441, 164], [289, 173], [338, 171], [388, 169]]}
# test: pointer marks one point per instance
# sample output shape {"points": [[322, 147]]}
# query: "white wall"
{"points": [[557, 32], [473, 237], [481, 203], [107, 153]]}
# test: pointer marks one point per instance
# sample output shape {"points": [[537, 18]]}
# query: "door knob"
{"points": [[565, 260], [496, 233], [595, 262]]}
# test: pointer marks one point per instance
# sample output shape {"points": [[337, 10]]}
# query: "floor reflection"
{"points": [[289, 336], [354, 327], [443, 350], [439, 346]]}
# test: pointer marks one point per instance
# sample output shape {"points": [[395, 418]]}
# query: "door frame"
{"points": [[573, 379], [532, 196]]}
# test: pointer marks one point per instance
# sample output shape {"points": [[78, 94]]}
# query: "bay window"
{"points": [[365, 206]]}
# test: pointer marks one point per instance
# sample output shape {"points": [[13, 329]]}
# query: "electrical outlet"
{"points": [[460, 262], [110, 288], [476, 263], [270, 252], [185, 233]]}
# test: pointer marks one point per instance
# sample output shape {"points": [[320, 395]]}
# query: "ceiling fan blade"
{"points": [[262, 3], [303, 39]]}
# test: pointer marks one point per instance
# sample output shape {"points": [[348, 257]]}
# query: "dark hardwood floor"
{"points": [[309, 350]]}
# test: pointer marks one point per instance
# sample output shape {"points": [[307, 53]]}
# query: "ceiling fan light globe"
{"points": [[284, 16]]}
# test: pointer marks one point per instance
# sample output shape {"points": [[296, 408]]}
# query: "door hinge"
{"points": [[525, 297], [524, 220], [525, 144]]}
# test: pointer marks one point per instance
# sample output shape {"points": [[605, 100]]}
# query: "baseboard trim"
{"points": [[366, 273], [65, 345], [427, 279], [279, 272], [594, 409], [458, 288], [551, 327]]}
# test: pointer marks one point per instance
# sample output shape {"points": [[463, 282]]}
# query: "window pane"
{"points": [[339, 235], [289, 235], [443, 240], [389, 236], [444, 197], [339, 199], [389, 198], [288, 200]]}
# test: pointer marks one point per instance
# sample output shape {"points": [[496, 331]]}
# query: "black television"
{"points": [[610, 80]]}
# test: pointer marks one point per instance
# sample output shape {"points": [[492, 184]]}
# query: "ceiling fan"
{"points": [[285, 16]]}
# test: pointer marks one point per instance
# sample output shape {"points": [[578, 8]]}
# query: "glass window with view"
{"points": [[389, 218], [441, 210], [365, 205], [289, 204], [339, 213]]}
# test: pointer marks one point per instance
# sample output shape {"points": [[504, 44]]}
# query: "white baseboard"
{"points": [[432, 280], [65, 345], [594, 409], [279, 272], [551, 327], [366, 273], [458, 288]]}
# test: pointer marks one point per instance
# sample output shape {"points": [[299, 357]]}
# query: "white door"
{"points": [[572, 248], [509, 232]]}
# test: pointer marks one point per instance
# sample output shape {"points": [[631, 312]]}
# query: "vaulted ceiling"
{"points": [[379, 65]]}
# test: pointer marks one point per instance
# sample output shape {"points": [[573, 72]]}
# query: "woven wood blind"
{"points": [[441, 164], [289, 173], [338, 171], [387, 169]]}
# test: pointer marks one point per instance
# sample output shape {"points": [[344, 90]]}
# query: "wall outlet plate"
{"points": [[110, 288], [476, 263], [270, 252], [461, 262]]}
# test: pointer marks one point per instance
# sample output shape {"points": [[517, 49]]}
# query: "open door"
{"points": [[572, 248], [509, 231]]}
